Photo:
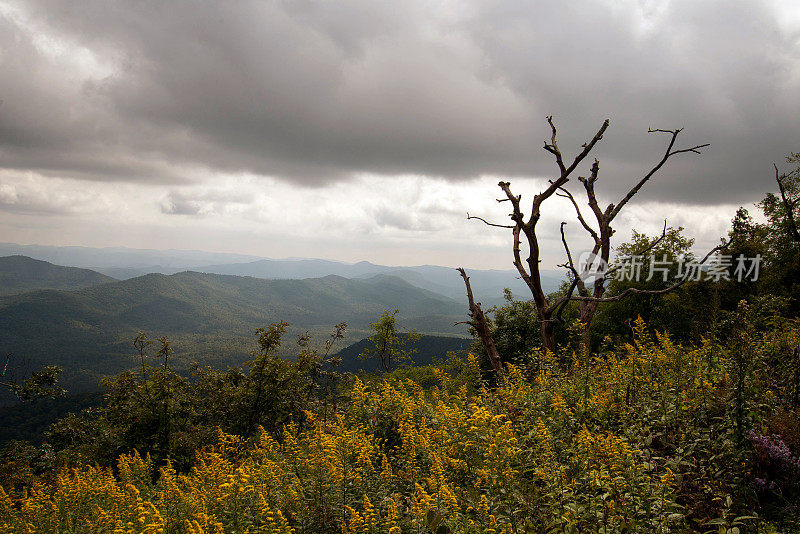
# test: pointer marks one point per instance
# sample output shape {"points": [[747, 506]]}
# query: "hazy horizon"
{"points": [[235, 256]]}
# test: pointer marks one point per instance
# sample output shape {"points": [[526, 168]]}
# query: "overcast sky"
{"points": [[364, 130]]}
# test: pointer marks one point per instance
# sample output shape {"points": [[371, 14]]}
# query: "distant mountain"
{"points": [[123, 263], [208, 317], [20, 273], [116, 260], [297, 268], [487, 285]]}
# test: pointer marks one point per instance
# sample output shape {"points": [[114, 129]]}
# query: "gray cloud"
{"points": [[31, 206], [314, 92], [202, 202], [24, 195], [388, 217], [180, 206]]}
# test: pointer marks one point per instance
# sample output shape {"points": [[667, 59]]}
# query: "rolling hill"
{"points": [[488, 285], [21, 273], [124, 263], [208, 317]]}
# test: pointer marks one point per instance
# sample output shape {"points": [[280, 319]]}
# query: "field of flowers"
{"points": [[651, 437]]}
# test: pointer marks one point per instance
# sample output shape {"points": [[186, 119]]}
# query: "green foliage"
{"points": [[650, 437], [675, 312], [387, 345], [782, 248], [29, 420], [429, 348], [158, 411], [42, 383], [515, 329], [268, 376], [461, 371]]}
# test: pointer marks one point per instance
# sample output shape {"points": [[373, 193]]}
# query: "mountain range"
{"points": [[124, 263], [85, 321], [487, 285], [209, 318]]}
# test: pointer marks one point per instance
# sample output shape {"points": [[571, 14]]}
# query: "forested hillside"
{"points": [[209, 318], [426, 351], [19, 274], [489, 283]]}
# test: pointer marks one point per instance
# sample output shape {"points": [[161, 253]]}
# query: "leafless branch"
{"points": [[566, 194], [561, 303], [587, 147], [588, 185], [577, 281], [524, 228], [669, 152], [565, 171], [5, 365], [516, 215], [487, 222], [553, 147], [695, 149], [571, 264]]}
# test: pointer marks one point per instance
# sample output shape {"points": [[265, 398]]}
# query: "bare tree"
{"points": [[788, 204], [481, 325], [524, 228]]}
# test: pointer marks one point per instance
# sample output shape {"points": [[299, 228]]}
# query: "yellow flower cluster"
{"points": [[531, 456]]}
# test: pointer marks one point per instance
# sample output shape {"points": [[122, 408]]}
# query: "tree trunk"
{"points": [[548, 335], [588, 310], [481, 326]]}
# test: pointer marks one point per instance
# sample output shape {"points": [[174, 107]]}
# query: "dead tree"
{"points": [[481, 325], [524, 227], [788, 205]]}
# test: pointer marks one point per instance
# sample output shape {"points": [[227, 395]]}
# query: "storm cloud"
{"points": [[366, 130], [316, 92]]}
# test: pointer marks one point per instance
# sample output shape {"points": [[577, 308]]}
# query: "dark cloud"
{"points": [[313, 92]]}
